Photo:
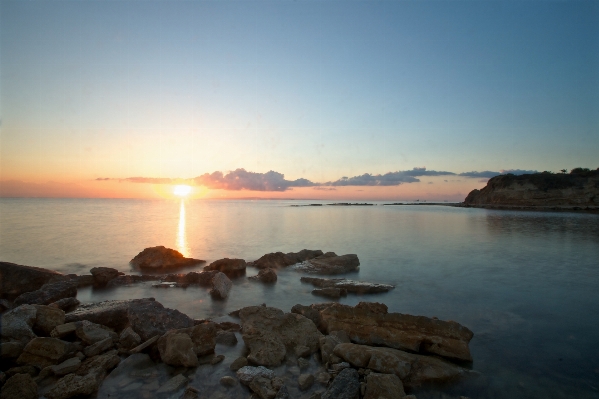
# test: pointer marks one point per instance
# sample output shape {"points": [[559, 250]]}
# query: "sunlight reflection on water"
{"points": [[182, 245]]}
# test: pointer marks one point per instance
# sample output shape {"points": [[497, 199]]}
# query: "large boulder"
{"points": [[221, 285], [18, 279], [162, 258], [247, 373], [412, 369], [42, 352], [113, 314], [48, 293], [203, 337], [47, 318], [19, 386], [17, 323], [279, 259], [358, 287], [330, 263], [370, 324], [176, 349], [102, 275], [150, 318], [387, 386], [269, 333], [345, 386], [231, 267]]}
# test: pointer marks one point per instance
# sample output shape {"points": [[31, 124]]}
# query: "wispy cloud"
{"points": [[518, 171], [388, 179], [240, 179]]}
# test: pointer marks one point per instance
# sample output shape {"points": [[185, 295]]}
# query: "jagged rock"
{"points": [[43, 352], [202, 278], [279, 259], [231, 267], [99, 347], [19, 386], [267, 275], [334, 293], [174, 384], [226, 338], [31, 370], [67, 367], [283, 393], [104, 363], [48, 293], [150, 318], [203, 337], [330, 263], [75, 385], [47, 318], [102, 275], [305, 381], [368, 325], [412, 369], [113, 314], [12, 349], [18, 322], [323, 378], [238, 363], [311, 312], [221, 285], [263, 387], [345, 386], [176, 349], [90, 333], [228, 381], [66, 304], [302, 351], [63, 330], [268, 332], [358, 287], [129, 339], [247, 373], [340, 366], [383, 386], [303, 363], [160, 258], [144, 345], [23, 279]]}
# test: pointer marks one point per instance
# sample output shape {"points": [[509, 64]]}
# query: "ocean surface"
{"points": [[526, 283]]}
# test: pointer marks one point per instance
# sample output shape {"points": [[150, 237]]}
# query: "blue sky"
{"points": [[311, 89]]}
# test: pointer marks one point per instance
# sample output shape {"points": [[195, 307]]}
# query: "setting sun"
{"points": [[182, 190]]}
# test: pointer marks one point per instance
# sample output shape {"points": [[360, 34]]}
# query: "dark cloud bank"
{"points": [[240, 179]]}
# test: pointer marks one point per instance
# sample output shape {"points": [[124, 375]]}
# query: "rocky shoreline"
{"points": [[54, 347]]}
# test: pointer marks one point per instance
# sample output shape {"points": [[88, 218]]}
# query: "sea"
{"points": [[526, 283]]}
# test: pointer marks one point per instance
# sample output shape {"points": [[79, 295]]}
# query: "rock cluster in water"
{"points": [[58, 348]]}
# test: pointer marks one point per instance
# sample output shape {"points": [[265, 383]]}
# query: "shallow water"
{"points": [[524, 282]]}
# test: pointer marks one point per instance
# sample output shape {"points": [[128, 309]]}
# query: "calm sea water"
{"points": [[526, 283]]}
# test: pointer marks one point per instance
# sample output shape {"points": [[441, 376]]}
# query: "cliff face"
{"points": [[577, 189]]}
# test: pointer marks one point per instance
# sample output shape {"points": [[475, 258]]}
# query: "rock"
{"points": [[23, 279], [217, 359], [279, 259], [100, 363], [401, 331], [268, 332], [358, 287], [383, 386], [66, 304], [160, 258], [47, 318], [75, 385], [247, 373], [283, 393], [48, 293], [330, 263], [202, 278], [231, 267], [226, 338], [18, 322], [99, 347], [43, 352], [67, 367], [327, 344], [203, 337], [335, 293], [191, 393], [228, 381], [263, 388], [305, 381], [176, 349], [19, 386], [120, 281], [345, 386], [238, 363], [302, 351], [129, 339], [267, 275], [12, 349], [150, 318], [63, 330], [412, 369], [340, 366], [113, 314], [174, 384], [146, 344], [311, 312], [323, 378], [303, 363], [221, 285], [5, 305], [84, 280], [31, 370], [102, 275], [90, 333]]}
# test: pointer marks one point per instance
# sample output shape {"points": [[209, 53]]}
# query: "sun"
{"points": [[182, 190]]}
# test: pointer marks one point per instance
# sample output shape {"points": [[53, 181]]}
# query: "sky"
{"points": [[293, 99]]}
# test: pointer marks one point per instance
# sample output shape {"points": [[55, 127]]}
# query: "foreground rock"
{"points": [[48, 293], [269, 334], [383, 386], [43, 352], [279, 259], [221, 285], [18, 279], [17, 324], [150, 318], [345, 386], [370, 324], [330, 263], [47, 318], [183, 347], [358, 287], [161, 258], [113, 314], [19, 386], [231, 267]]}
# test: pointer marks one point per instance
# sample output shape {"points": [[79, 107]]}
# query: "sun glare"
{"points": [[182, 190]]}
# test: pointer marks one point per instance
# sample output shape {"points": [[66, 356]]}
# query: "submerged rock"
{"points": [[358, 287], [334, 293], [279, 259], [48, 293], [231, 267], [18, 279], [330, 263], [161, 258]]}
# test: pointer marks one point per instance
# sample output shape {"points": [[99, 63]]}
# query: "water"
{"points": [[524, 282]]}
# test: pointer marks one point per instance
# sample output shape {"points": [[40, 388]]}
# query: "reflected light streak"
{"points": [[181, 236]]}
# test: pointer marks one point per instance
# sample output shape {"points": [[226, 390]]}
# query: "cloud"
{"points": [[324, 188], [240, 179], [487, 174], [518, 171], [388, 179]]}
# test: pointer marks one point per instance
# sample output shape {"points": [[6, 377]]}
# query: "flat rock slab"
{"points": [[113, 314], [330, 263], [358, 287], [279, 259], [162, 258], [150, 318]]}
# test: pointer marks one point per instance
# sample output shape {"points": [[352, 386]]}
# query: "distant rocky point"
{"points": [[577, 190]]}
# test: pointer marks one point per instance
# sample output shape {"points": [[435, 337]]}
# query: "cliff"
{"points": [[577, 190]]}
